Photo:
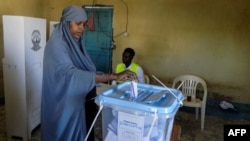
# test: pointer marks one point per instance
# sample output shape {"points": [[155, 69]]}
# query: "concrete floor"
{"points": [[190, 128]]}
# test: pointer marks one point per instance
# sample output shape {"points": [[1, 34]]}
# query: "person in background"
{"points": [[128, 64], [69, 81]]}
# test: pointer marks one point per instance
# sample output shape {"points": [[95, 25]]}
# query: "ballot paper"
{"points": [[134, 90]]}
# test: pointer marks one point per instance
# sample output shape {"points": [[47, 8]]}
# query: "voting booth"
{"points": [[24, 41]]}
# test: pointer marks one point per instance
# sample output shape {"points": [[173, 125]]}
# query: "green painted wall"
{"points": [[207, 38]]}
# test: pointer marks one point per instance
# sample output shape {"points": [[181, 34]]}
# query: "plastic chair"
{"points": [[146, 78], [189, 89]]}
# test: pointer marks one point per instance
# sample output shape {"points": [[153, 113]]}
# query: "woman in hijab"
{"points": [[69, 80]]}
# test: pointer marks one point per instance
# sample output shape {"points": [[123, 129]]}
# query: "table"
{"points": [[101, 87]]}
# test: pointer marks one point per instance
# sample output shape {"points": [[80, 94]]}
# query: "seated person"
{"points": [[128, 64]]}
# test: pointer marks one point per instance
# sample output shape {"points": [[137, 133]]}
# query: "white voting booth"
{"points": [[24, 42]]}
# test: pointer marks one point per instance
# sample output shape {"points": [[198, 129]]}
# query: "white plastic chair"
{"points": [[146, 78], [189, 88]]}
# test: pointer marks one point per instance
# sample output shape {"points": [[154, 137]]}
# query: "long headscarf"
{"points": [[68, 77], [76, 14]]}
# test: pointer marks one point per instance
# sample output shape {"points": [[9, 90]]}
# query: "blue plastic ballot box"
{"points": [[147, 117]]}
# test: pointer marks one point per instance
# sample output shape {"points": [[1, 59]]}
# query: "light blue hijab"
{"points": [[68, 76]]}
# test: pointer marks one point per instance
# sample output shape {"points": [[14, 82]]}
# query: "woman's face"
{"points": [[77, 28]]}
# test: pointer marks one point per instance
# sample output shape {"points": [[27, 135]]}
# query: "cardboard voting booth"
{"points": [[24, 42]]}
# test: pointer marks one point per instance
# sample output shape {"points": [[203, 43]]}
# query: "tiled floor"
{"points": [[190, 128]]}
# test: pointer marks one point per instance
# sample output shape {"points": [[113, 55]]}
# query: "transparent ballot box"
{"points": [[148, 116]]}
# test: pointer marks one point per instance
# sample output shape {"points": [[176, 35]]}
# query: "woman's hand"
{"points": [[127, 76]]}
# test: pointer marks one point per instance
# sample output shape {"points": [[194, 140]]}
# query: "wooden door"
{"points": [[98, 42]]}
